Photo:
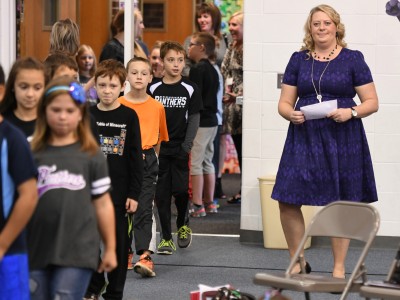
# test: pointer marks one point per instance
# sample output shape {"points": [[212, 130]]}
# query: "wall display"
{"points": [[227, 8]]}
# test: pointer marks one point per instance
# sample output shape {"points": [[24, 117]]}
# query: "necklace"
{"points": [[325, 57], [318, 93]]}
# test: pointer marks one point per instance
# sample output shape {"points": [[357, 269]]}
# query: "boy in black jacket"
{"points": [[120, 141]]}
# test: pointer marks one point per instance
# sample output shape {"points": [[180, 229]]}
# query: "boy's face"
{"points": [[173, 63], [195, 50], [108, 89], [65, 71], [139, 75]]}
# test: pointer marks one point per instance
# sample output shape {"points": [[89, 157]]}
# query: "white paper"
{"points": [[319, 110]]}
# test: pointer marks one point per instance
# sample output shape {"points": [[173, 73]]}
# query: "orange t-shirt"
{"points": [[152, 119]]}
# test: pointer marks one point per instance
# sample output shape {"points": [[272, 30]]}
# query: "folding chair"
{"points": [[343, 219], [388, 289]]}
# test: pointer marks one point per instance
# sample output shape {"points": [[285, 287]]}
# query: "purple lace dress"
{"points": [[325, 161]]}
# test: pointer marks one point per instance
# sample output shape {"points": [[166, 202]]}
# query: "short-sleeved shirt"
{"points": [[16, 167], [63, 230], [27, 127], [152, 119], [180, 100]]}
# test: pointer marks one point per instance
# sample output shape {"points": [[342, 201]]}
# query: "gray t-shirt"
{"points": [[63, 230]]}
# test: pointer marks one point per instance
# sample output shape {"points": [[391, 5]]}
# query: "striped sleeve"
{"points": [[100, 186]]}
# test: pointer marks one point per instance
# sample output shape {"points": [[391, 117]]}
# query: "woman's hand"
{"points": [[297, 117], [340, 115], [229, 98]]}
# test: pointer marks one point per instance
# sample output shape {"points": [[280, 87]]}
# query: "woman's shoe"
{"points": [[235, 199], [307, 268]]}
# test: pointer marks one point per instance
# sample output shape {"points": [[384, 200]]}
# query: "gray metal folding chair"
{"points": [[343, 219], [388, 289]]}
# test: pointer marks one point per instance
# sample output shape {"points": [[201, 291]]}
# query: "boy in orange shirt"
{"points": [[153, 126]]}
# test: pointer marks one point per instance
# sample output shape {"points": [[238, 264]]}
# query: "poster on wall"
{"points": [[228, 8]]}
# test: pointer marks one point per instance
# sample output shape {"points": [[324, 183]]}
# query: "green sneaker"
{"points": [[184, 236], [166, 247]]}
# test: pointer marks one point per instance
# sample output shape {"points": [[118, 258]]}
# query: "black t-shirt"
{"points": [[27, 127], [206, 77], [180, 100], [113, 49], [120, 141]]}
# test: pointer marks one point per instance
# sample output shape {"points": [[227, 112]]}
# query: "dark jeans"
{"points": [[117, 277], [173, 180], [143, 218]]}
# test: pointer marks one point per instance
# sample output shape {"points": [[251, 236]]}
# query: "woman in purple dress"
{"points": [[327, 159]]}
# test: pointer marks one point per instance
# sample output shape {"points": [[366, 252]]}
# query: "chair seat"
{"points": [[380, 292], [304, 282]]}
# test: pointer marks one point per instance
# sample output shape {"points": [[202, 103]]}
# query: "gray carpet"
{"points": [[226, 221], [217, 261]]}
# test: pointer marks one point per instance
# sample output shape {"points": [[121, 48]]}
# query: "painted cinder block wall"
{"points": [[273, 30]]}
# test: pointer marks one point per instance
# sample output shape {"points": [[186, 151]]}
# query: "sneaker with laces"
{"points": [[198, 212], [166, 247], [184, 236], [130, 261], [145, 266], [211, 208]]}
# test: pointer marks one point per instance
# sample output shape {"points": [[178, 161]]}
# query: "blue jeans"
{"points": [[61, 283]]}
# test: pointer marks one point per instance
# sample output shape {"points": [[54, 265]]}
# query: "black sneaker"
{"points": [[166, 247], [184, 236]]}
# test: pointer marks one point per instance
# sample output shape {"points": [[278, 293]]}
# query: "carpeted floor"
{"points": [[227, 220]]}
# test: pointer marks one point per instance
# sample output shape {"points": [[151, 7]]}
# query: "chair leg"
{"points": [[307, 295]]}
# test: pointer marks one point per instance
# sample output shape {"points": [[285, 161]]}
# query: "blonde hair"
{"points": [[239, 16], [334, 16], [64, 37], [42, 132], [86, 48], [137, 14], [138, 51]]}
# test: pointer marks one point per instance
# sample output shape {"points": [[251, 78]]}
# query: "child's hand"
{"points": [[109, 262], [131, 205]]}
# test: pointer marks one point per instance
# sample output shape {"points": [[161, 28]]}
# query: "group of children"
{"points": [[99, 165]]}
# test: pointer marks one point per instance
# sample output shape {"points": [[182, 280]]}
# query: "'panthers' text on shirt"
{"points": [[169, 101]]}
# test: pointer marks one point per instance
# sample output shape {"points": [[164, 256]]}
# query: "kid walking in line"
{"points": [[120, 141], [86, 60], [202, 52], [25, 85], [18, 198], [153, 131], [182, 101], [74, 203]]}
